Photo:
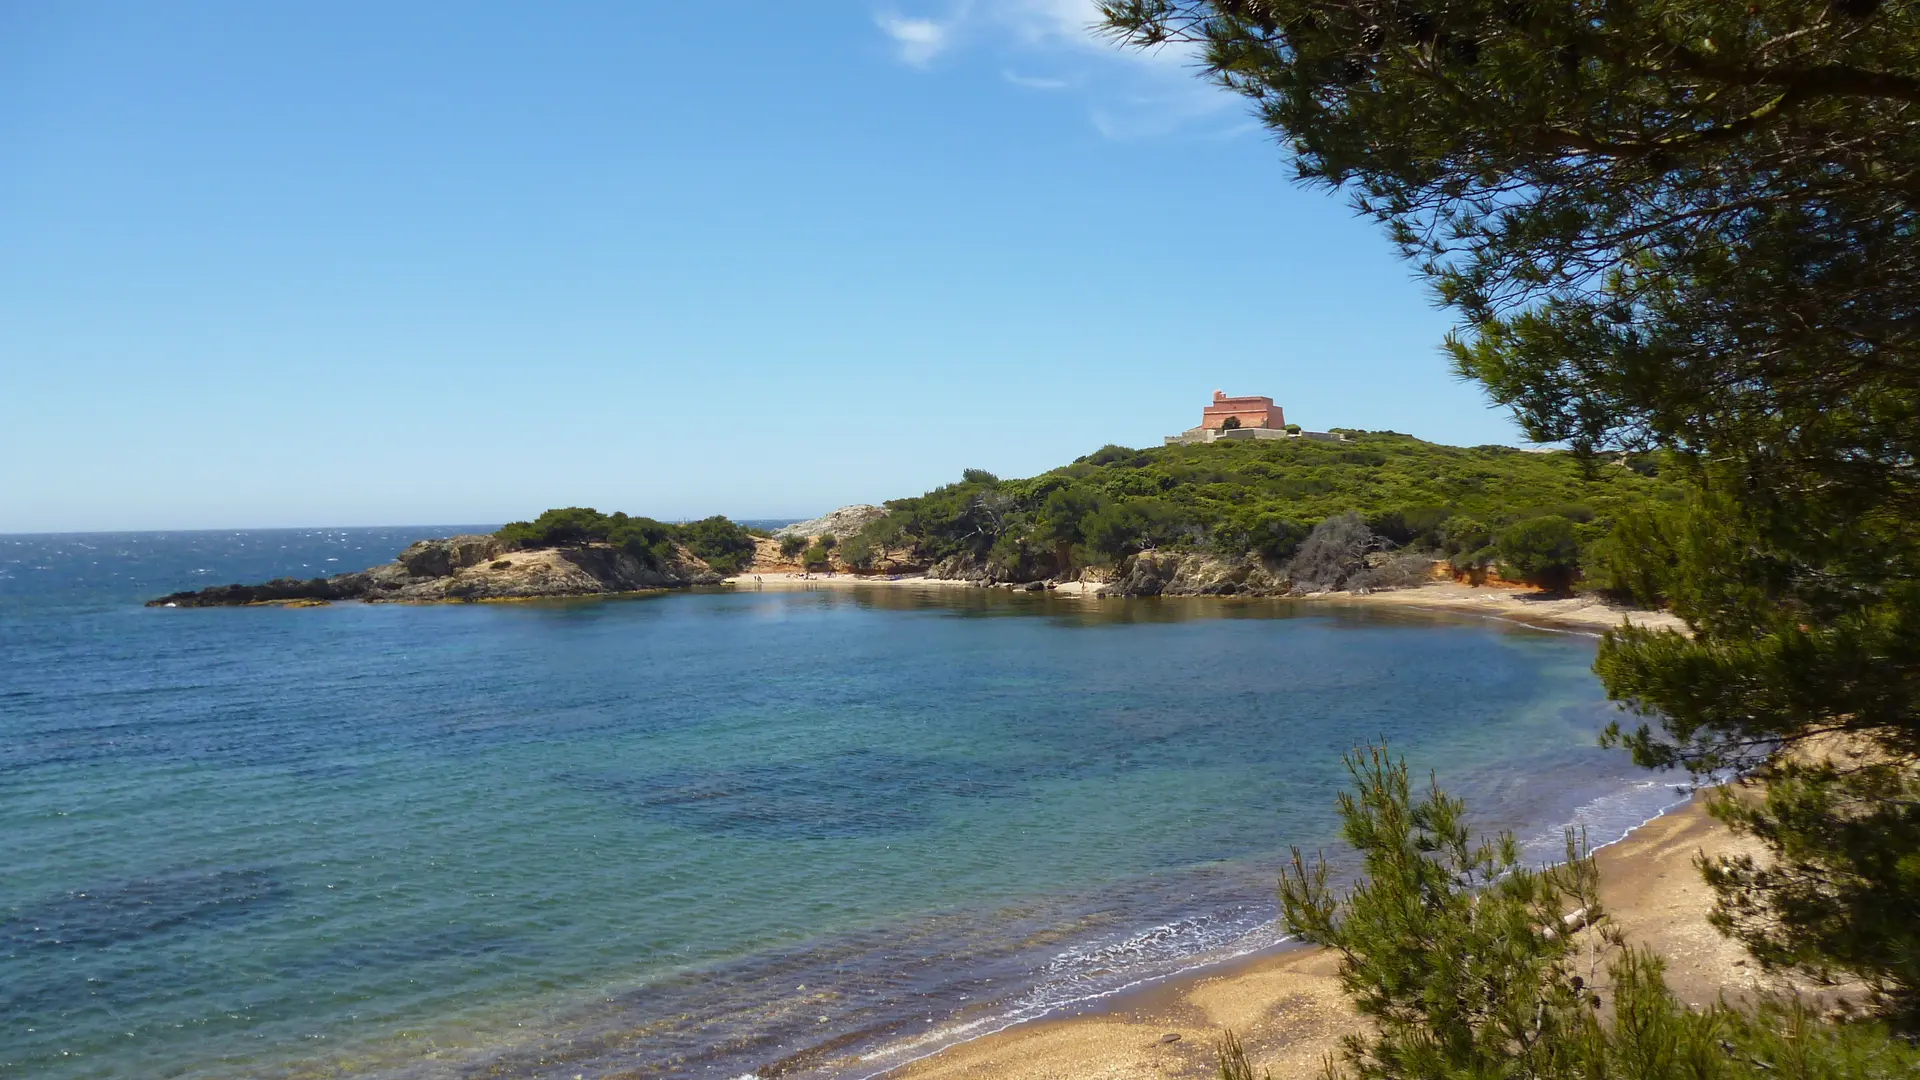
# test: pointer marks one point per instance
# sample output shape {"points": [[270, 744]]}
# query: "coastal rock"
{"points": [[960, 568], [839, 524], [1157, 573], [438, 558], [279, 590], [470, 568]]}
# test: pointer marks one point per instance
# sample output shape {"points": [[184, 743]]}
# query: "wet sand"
{"points": [[1287, 1008]]}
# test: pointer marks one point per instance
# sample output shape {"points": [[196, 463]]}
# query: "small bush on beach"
{"points": [[1467, 966]]}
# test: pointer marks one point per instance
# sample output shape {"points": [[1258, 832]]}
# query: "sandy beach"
{"points": [[1509, 603], [1582, 613], [1287, 1007]]}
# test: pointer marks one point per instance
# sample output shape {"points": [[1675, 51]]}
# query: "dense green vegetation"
{"points": [[1264, 497], [1693, 226], [1442, 947], [725, 546]]}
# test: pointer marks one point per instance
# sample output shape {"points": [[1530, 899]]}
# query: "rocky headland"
{"points": [[840, 524], [470, 568]]}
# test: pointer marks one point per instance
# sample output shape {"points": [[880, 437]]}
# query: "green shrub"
{"points": [[647, 540], [558, 528], [791, 545], [1541, 550], [884, 536], [1114, 454], [1269, 535], [1467, 542], [814, 558], [1418, 526], [1629, 562], [725, 546], [858, 551]]}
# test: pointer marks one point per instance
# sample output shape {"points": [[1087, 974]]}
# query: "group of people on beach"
{"points": [[757, 580]]}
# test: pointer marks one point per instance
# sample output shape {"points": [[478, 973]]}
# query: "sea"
{"points": [[721, 833]]}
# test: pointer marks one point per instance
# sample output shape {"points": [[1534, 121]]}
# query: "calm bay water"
{"points": [[692, 835]]}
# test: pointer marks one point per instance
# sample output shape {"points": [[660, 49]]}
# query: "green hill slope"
{"points": [[1236, 498]]}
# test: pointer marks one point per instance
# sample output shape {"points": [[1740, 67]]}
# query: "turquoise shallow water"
{"points": [[693, 835]]}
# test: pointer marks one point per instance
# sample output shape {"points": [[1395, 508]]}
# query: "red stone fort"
{"points": [[1250, 417], [1251, 412]]}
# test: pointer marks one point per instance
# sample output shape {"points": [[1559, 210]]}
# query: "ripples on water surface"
{"points": [[693, 835]]}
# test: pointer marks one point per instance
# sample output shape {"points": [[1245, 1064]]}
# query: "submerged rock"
{"points": [[468, 568]]}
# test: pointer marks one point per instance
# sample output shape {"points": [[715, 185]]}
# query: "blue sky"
{"points": [[357, 263]]}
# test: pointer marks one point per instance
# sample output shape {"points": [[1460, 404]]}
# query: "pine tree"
{"points": [[1692, 225]]}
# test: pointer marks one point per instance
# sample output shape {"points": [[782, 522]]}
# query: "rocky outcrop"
{"points": [[462, 568], [1154, 573], [438, 558], [1150, 573], [839, 524], [960, 568]]}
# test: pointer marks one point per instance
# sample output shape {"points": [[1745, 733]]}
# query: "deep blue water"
{"points": [[692, 835]]}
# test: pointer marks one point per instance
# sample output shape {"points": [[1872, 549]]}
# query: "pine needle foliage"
{"points": [[1467, 966], [1453, 948]]}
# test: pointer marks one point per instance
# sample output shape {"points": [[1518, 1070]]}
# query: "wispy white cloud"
{"points": [[916, 41], [1129, 93], [1036, 82]]}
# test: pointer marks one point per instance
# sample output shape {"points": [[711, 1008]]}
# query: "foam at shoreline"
{"points": [[1188, 947]]}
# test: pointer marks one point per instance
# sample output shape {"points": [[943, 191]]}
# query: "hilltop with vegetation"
{"points": [[1286, 514]]}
